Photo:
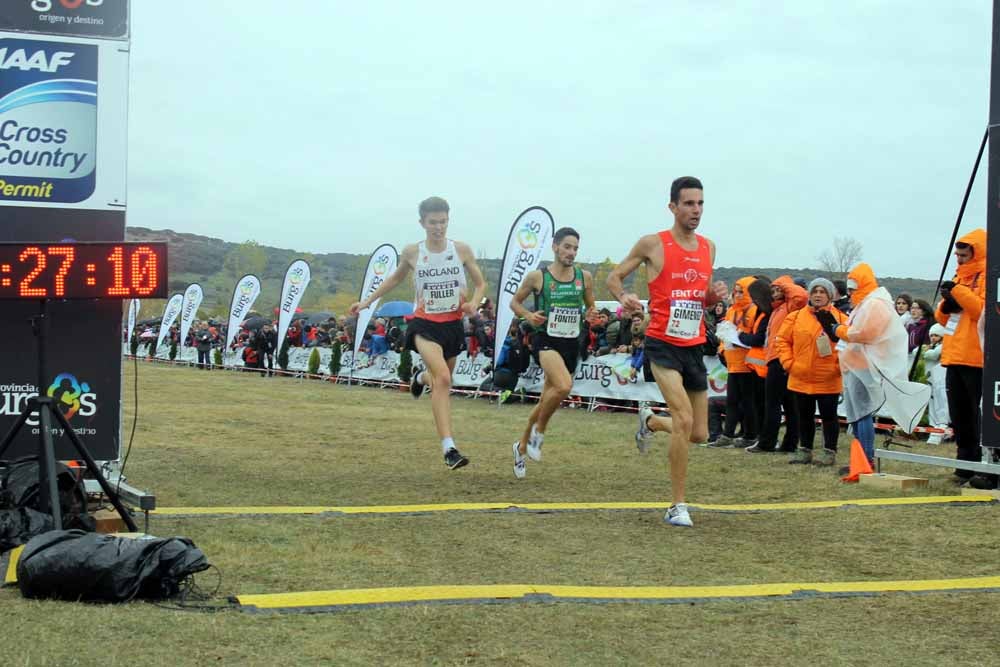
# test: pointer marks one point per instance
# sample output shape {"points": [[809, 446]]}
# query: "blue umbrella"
{"points": [[395, 309]]}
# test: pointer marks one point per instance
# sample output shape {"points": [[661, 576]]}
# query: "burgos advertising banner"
{"points": [[85, 18], [48, 121]]}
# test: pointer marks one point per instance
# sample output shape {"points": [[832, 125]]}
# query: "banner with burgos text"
{"points": [[107, 19], [294, 286], [529, 236], [381, 264], [244, 295], [193, 296], [133, 315], [170, 314]]}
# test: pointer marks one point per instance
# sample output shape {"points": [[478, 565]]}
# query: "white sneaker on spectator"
{"points": [[678, 515], [644, 436], [520, 463], [535, 441]]}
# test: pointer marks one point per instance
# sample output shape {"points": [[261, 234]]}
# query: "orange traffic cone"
{"points": [[859, 463]]}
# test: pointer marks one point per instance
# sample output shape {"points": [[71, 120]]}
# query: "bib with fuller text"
{"points": [[441, 297]]}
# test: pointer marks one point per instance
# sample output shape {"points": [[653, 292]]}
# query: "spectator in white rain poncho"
{"points": [[873, 361]]}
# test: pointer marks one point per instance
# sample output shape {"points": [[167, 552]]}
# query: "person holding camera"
{"points": [[959, 311], [203, 343]]}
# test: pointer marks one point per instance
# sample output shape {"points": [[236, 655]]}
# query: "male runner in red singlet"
{"points": [[435, 332], [679, 265]]}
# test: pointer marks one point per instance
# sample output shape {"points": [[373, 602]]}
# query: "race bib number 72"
{"points": [[685, 319]]}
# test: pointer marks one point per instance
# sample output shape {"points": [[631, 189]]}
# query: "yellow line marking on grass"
{"points": [[551, 507], [429, 594], [10, 577]]}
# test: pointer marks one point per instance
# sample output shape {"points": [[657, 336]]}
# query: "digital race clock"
{"points": [[83, 270]]}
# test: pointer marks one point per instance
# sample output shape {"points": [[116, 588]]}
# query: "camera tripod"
{"points": [[48, 496]]}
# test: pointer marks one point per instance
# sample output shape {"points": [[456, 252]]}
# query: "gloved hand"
{"points": [[947, 286], [948, 304], [828, 322]]}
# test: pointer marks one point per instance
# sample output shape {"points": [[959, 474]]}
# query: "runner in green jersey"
{"points": [[562, 290]]}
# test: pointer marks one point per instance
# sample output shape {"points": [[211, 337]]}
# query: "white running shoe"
{"points": [[678, 515], [644, 436], [520, 463], [535, 441]]}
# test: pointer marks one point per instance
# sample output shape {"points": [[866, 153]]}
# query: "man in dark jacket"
{"points": [[266, 343], [203, 343]]}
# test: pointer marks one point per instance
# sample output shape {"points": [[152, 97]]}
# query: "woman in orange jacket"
{"points": [[809, 356], [786, 297]]}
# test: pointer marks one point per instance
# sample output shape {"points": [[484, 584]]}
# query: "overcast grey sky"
{"points": [[319, 126]]}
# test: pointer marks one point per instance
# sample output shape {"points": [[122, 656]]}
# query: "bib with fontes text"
{"points": [[563, 322]]}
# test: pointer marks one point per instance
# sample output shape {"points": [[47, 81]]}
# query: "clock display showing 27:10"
{"points": [[83, 270]]}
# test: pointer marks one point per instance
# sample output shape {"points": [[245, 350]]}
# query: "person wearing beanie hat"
{"points": [[938, 330], [825, 284], [937, 410], [809, 354]]}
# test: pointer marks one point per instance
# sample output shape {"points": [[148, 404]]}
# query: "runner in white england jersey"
{"points": [[440, 267]]}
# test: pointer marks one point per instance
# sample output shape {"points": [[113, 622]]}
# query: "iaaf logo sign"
{"points": [[71, 396], [38, 60]]}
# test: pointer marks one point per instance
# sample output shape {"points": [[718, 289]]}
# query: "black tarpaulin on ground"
{"points": [[76, 565], [17, 526]]}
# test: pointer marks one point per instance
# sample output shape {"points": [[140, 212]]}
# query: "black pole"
{"points": [[991, 312], [954, 234], [48, 490], [961, 213]]}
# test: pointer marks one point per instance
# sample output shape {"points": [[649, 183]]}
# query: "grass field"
{"points": [[227, 439]]}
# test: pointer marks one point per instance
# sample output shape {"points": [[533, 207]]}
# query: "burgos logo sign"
{"points": [[527, 236], [46, 5], [71, 396], [380, 265]]}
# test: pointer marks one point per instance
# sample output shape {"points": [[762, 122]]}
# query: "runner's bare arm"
{"points": [[716, 293], [474, 275], [588, 295], [406, 263], [532, 283], [639, 254]]}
